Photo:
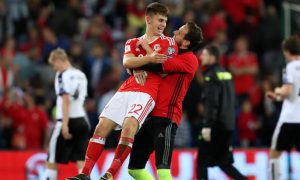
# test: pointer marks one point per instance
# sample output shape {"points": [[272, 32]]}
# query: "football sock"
{"points": [[164, 174], [50, 174], [93, 152], [122, 151], [274, 169], [140, 174]]}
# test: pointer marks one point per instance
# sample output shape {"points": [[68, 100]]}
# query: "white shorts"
{"points": [[128, 104]]}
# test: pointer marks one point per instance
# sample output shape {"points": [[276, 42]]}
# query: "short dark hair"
{"points": [[194, 35], [292, 45], [213, 51], [157, 8]]}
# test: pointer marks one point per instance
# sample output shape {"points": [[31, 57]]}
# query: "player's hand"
{"points": [[271, 95], [277, 91], [142, 42], [65, 132], [145, 45], [140, 76], [206, 134], [158, 58]]}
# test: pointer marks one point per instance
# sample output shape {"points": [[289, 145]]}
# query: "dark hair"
{"points": [[157, 8], [213, 51], [292, 45], [194, 35]]}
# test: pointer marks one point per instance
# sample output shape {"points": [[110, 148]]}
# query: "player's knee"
{"points": [[164, 174], [104, 127], [140, 174], [130, 126], [51, 165], [274, 154]]}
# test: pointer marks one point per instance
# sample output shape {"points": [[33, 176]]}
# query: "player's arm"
{"points": [[286, 89], [131, 61], [280, 93], [65, 119], [176, 64], [67, 90]]}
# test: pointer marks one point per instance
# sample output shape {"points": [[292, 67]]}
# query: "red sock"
{"points": [[122, 151], [93, 152]]}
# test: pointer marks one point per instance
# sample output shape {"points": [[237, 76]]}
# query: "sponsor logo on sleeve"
{"points": [[127, 48]]}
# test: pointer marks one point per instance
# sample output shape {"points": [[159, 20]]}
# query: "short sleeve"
{"points": [[130, 46], [287, 77], [67, 83]]}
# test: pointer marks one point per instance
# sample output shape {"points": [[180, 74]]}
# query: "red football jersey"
{"points": [[164, 45], [174, 87]]}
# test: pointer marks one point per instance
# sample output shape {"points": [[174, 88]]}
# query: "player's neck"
{"points": [[150, 36], [66, 66], [294, 58]]}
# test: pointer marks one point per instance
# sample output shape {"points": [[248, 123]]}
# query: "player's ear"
{"points": [[186, 43], [148, 19]]}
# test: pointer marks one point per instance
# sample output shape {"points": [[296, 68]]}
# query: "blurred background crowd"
{"points": [[248, 33]]}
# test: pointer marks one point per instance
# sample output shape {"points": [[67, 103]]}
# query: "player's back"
{"points": [[291, 106], [174, 87], [163, 45]]}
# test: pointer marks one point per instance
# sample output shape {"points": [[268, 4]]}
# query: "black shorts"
{"points": [[218, 151], [156, 134], [63, 151], [286, 136]]}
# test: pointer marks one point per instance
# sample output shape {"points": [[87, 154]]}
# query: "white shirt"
{"points": [[290, 111], [73, 82]]}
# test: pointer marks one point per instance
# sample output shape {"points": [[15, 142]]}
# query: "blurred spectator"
{"points": [[6, 23], [221, 41], [43, 16], [237, 8], [215, 23], [53, 41], [136, 13], [198, 6], [66, 16], [34, 41], [248, 28], [11, 103], [248, 124], [34, 121], [99, 65], [269, 42], [244, 67], [7, 74], [98, 30], [18, 11], [105, 7], [78, 57]]}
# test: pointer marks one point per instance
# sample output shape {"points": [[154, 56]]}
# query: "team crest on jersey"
{"points": [[156, 47], [171, 50]]}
